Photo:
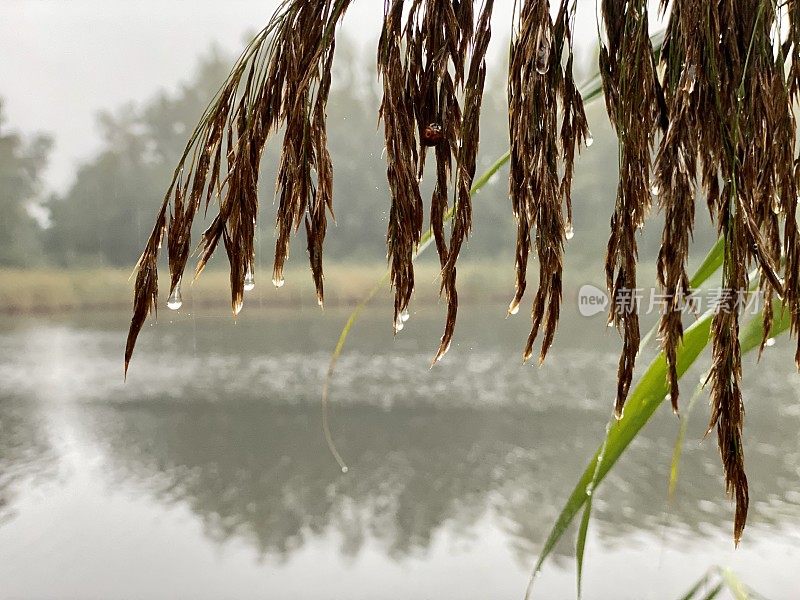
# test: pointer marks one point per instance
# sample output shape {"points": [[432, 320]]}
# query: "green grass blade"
{"points": [[711, 264], [425, 241], [734, 585], [714, 593], [695, 589], [642, 403], [580, 546], [677, 451], [752, 333], [645, 398], [326, 429]]}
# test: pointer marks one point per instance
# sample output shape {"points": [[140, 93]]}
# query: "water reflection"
{"points": [[263, 473], [224, 420], [25, 451]]}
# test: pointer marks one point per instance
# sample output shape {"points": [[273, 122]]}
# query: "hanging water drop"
{"points": [[655, 189], [569, 232], [405, 316], [543, 53], [278, 282], [237, 308], [513, 308], [398, 324], [589, 139], [589, 489], [770, 343], [249, 281], [175, 300], [345, 469]]}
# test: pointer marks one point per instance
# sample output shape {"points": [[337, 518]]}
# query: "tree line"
{"points": [[104, 217]]}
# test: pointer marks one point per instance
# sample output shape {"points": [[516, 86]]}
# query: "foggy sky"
{"points": [[62, 61]]}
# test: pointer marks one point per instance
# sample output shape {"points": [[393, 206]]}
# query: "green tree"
{"points": [[21, 164], [106, 213]]}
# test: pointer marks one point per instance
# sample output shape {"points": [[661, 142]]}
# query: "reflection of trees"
{"points": [[25, 450], [264, 473]]}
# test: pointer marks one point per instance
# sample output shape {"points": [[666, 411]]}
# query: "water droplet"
{"points": [[770, 342], [278, 282], [398, 325], [513, 308], [569, 232], [655, 189], [589, 490], [345, 469], [589, 140], [405, 316], [543, 52], [776, 205], [237, 308], [175, 300], [249, 281]]}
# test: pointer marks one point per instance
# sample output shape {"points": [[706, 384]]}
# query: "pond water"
{"points": [[206, 475]]}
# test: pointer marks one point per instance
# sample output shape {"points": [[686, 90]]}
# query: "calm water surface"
{"points": [[206, 474]]}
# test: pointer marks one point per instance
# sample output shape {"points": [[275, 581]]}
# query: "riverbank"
{"points": [[45, 291]]}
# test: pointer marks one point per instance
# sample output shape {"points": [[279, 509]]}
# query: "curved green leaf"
{"points": [[646, 397]]}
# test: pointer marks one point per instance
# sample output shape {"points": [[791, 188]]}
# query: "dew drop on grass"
{"points": [[398, 324], [175, 300], [249, 281], [513, 308], [278, 282], [345, 469], [569, 232], [237, 308], [770, 342], [589, 140], [405, 316]]}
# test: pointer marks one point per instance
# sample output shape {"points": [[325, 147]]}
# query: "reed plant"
{"points": [[712, 101]]}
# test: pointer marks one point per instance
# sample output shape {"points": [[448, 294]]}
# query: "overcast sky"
{"points": [[62, 61]]}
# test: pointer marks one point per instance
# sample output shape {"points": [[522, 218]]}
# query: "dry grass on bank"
{"points": [[52, 290]]}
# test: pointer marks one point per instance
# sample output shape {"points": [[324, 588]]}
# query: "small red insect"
{"points": [[432, 135]]}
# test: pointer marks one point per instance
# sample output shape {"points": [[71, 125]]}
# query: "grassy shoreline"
{"points": [[48, 291]]}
